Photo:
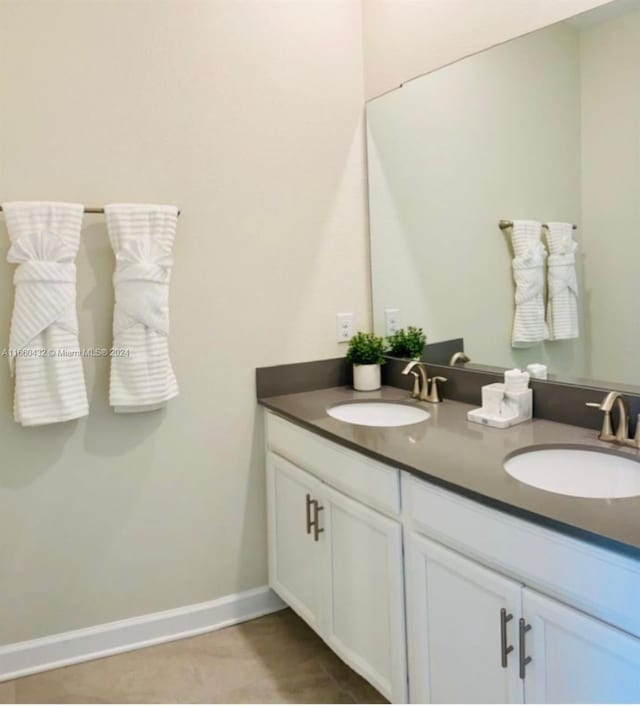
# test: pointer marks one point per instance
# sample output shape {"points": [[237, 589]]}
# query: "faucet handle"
{"points": [[607, 429], [435, 395]]}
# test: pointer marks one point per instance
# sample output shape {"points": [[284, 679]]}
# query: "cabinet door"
{"points": [[295, 551], [455, 628], [365, 592], [576, 658]]}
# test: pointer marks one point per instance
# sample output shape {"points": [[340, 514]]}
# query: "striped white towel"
{"points": [[142, 238], [529, 325], [44, 351], [562, 309]]}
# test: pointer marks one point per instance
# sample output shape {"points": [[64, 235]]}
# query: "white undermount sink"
{"points": [[580, 471], [378, 413]]}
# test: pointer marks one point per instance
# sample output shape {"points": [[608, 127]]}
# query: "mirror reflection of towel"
{"points": [[562, 309], [529, 326]]}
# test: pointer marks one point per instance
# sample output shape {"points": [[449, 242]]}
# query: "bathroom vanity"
{"points": [[435, 574], [433, 571]]}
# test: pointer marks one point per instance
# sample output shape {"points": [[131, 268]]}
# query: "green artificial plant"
{"points": [[407, 344], [365, 349]]}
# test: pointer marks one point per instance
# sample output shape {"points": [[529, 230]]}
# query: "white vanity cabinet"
{"points": [[337, 561], [464, 633], [483, 626], [576, 658], [365, 622], [463, 628], [499, 609], [295, 547]]}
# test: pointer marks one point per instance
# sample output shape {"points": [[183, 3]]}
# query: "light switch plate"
{"points": [[391, 321], [344, 326]]}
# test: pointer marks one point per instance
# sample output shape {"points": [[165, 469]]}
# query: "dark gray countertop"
{"points": [[468, 458]]}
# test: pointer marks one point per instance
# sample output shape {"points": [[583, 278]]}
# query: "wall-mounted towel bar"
{"points": [[93, 210], [508, 224]]}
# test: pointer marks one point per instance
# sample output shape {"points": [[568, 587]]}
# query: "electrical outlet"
{"points": [[391, 321], [344, 326]]}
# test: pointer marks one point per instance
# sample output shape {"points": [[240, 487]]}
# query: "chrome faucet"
{"points": [[424, 388], [621, 434]]}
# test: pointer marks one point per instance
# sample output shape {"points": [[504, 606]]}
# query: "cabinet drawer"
{"points": [[600, 582], [369, 481]]}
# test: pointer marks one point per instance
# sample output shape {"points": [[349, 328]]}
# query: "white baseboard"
{"points": [[28, 657]]}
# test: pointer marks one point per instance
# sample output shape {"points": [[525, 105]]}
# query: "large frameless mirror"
{"points": [[544, 129]]}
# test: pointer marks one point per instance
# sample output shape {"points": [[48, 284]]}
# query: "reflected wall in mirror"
{"points": [[545, 127]]}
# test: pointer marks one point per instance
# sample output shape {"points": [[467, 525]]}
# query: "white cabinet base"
{"points": [[365, 620], [295, 558], [344, 577], [454, 628], [576, 658], [465, 597]]}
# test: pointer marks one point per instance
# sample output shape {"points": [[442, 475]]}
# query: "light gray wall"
{"points": [[248, 115]]}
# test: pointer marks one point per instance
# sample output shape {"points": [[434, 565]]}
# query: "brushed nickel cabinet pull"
{"points": [[524, 661], [316, 520], [504, 648], [309, 521]]}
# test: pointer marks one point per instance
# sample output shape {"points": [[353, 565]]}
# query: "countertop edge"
{"points": [[573, 531]]}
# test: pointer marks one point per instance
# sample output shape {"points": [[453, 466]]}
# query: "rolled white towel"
{"points": [[142, 237], [529, 327], [562, 310], [537, 370], [44, 352]]}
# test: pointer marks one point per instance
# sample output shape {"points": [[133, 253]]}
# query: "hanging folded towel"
{"points": [[529, 326], [44, 353], [562, 309], [142, 238]]}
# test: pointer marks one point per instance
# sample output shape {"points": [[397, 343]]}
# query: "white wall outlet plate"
{"points": [[344, 326], [391, 321]]}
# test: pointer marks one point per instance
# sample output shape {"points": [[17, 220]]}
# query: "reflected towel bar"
{"points": [[98, 210], [509, 224]]}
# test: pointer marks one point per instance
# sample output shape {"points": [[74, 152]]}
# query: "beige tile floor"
{"points": [[274, 659]]}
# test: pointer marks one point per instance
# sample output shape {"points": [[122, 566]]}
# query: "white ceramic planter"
{"points": [[366, 377]]}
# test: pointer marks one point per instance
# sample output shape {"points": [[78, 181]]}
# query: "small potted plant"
{"points": [[407, 344], [366, 353]]}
